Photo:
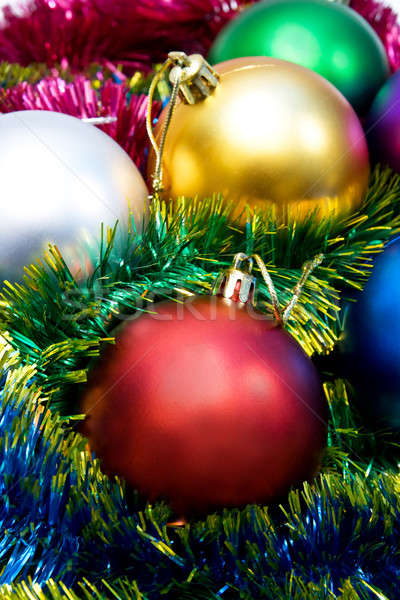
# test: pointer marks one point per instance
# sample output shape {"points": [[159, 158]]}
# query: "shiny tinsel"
{"points": [[78, 32], [135, 34], [386, 24], [69, 533], [185, 246]]}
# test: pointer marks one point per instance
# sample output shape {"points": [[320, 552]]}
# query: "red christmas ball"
{"points": [[206, 404]]}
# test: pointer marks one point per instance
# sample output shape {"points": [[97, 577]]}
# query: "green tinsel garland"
{"points": [[57, 324]]}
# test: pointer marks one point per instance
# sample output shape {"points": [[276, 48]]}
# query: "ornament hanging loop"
{"points": [[282, 316], [159, 149], [238, 283], [307, 269], [239, 259], [193, 80], [271, 289]]}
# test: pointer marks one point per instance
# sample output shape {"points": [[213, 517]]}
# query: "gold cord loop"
{"points": [[307, 269], [271, 288], [194, 80], [282, 317], [157, 176]]}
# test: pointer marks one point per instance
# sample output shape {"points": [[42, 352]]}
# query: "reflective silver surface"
{"points": [[60, 179]]}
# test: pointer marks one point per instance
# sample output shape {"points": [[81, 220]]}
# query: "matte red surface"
{"points": [[207, 406]]}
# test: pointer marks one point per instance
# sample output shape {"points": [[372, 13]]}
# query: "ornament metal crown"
{"points": [[194, 76], [235, 283]]}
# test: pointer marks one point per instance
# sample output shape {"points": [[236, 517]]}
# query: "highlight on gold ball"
{"points": [[266, 134]]}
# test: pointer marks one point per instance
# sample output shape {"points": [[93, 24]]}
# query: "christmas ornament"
{"points": [[61, 179], [79, 98], [208, 403], [262, 132], [371, 341], [327, 37], [383, 124]]}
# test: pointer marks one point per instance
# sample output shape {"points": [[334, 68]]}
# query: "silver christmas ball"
{"points": [[60, 180]]}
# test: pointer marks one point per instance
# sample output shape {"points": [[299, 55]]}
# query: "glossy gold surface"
{"points": [[272, 133]]}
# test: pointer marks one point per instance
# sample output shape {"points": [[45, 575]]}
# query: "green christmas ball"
{"points": [[326, 37]]}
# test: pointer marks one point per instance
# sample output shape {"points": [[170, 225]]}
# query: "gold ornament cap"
{"points": [[197, 79], [237, 284]]}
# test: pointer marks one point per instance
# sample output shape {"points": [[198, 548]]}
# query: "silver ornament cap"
{"points": [[237, 283]]}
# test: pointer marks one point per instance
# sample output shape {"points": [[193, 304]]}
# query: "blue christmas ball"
{"points": [[371, 341]]}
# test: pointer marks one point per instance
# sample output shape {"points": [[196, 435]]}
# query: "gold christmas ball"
{"points": [[272, 133]]}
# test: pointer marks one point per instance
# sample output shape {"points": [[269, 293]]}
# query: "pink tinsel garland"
{"points": [[79, 99], [135, 33], [386, 25]]}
